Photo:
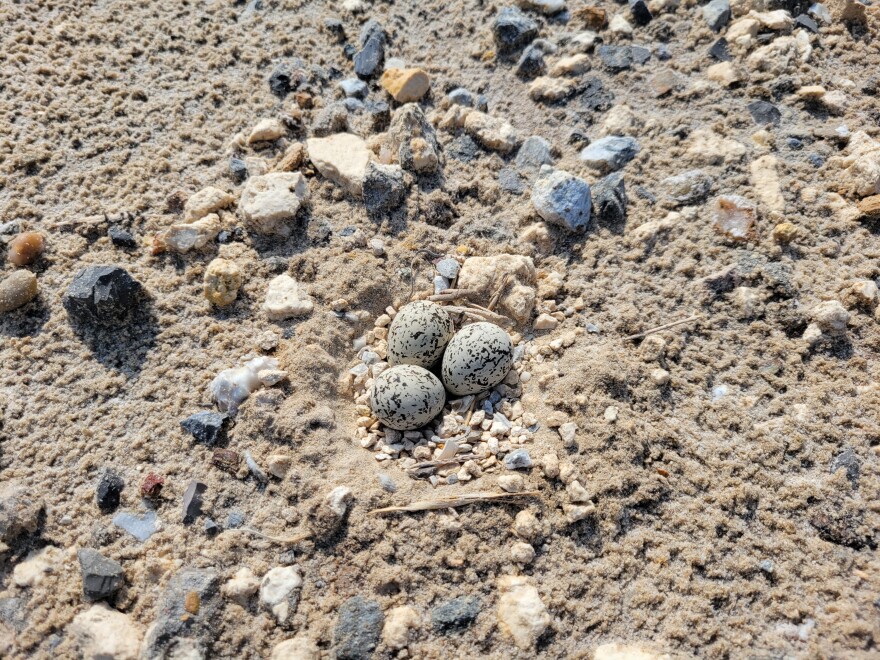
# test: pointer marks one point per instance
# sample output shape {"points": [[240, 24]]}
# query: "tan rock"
{"points": [[785, 232], [185, 237], [491, 132], [292, 159], [550, 89], [570, 66], [39, 563], [270, 202], [522, 553], [706, 147], [743, 32], [266, 130], [405, 85], [724, 73], [765, 181], [620, 651], [545, 322], [222, 281], [870, 206], [830, 316], [17, 289], [813, 92], [621, 120], [102, 633], [286, 299], [485, 275], [398, 623], [297, 648], [243, 585], [773, 20], [860, 165], [781, 55], [342, 158], [208, 200], [521, 613]]}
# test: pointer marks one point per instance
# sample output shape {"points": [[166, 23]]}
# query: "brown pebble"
{"points": [[17, 289], [193, 602], [25, 248], [870, 206]]}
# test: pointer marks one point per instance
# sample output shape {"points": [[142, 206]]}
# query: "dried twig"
{"points": [[505, 280], [480, 314], [448, 501], [415, 273], [446, 461], [449, 295], [290, 540], [660, 328]]}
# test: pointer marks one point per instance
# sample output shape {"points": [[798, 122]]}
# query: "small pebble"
{"points": [[109, 491], [222, 281], [25, 248], [17, 290]]}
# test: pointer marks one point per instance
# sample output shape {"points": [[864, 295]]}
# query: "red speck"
{"points": [[152, 485]]}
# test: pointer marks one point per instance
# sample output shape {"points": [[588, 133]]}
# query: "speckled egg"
{"points": [[478, 357], [406, 397], [418, 334]]}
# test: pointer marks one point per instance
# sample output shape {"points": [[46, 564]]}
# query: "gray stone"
{"points": [[609, 200], [767, 566], [354, 88], [384, 188], [108, 491], [513, 29], [534, 152], [620, 58], [720, 51], [331, 119], [717, 14], [175, 627], [805, 21], [463, 148], [640, 12], [531, 63], [192, 501], [379, 113], [121, 237], [461, 96], [372, 52], [141, 527], [562, 199], [764, 112], [13, 613], [409, 122], [510, 181], [102, 295], [206, 426], [688, 188], [357, 631], [456, 614], [848, 461], [19, 510], [593, 95], [610, 153], [387, 483], [101, 577], [448, 268], [518, 459]]}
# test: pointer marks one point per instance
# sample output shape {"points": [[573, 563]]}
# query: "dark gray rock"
{"points": [[463, 149], [20, 510], [330, 119], [805, 21], [109, 491], [175, 625], [562, 199], [510, 181], [354, 88], [640, 12], [456, 614], [13, 613], [357, 631], [102, 295], [594, 96], [518, 459], [379, 113], [353, 105], [122, 238], [531, 63], [513, 30], [764, 112], [609, 200], [620, 58], [717, 14], [720, 51], [206, 426], [384, 188], [335, 27], [238, 170], [192, 501], [101, 577], [409, 122], [372, 53], [687, 188], [286, 78], [848, 461], [534, 152], [461, 96]]}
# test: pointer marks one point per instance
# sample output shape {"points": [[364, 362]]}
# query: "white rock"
{"points": [[773, 20], [527, 526], [567, 432], [706, 147], [724, 73], [511, 483], [278, 465], [619, 651], [269, 202], [521, 614], [242, 586], [781, 55], [297, 648], [338, 500], [37, 565], [830, 316], [491, 132], [270, 377], [208, 200], [576, 512], [584, 41], [483, 273], [621, 120], [266, 130], [279, 591], [342, 158], [660, 376], [192, 236], [570, 66], [544, 6], [865, 291], [550, 464], [619, 25], [102, 633], [743, 32], [545, 322], [765, 180], [860, 166], [232, 386], [522, 552], [286, 299], [577, 493], [398, 623]]}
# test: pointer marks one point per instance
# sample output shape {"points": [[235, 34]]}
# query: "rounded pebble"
{"points": [[25, 248], [17, 289], [222, 281], [418, 334], [477, 358], [406, 397]]}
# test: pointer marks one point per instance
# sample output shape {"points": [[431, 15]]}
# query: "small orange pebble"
{"points": [[193, 602], [25, 248], [662, 472]]}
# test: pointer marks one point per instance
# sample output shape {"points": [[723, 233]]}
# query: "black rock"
{"points": [[531, 63], [609, 200], [594, 96], [211, 528], [357, 631], [463, 149], [206, 426], [794, 143], [174, 622], [384, 188], [349, 51], [101, 577], [372, 52], [620, 58], [230, 235], [764, 112], [379, 113], [121, 238], [456, 614], [640, 12], [238, 169], [103, 295], [108, 492], [192, 501], [849, 462], [720, 51], [513, 30], [805, 21], [281, 81]]}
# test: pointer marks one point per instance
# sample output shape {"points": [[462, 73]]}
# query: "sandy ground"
{"points": [[113, 110]]}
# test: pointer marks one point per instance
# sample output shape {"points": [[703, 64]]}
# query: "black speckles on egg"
{"points": [[406, 397], [477, 358], [418, 334]]}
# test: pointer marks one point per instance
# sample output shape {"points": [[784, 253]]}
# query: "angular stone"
{"points": [[415, 140], [102, 633], [521, 614], [206, 426], [688, 188], [270, 202], [342, 158], [534, 152], [531, 63], [550, 90], [735, 217], [456, 614], [720, 51], [208, 200], [101, 577], [483, 274], [19, 510], [372, 53], [192, 501], [406, 85], [491, 132], [279, 591], [102, 295], [610, 200], [640, 12], [122, 238], [518, 459], [764, 112], [716, 14], [513, 29], [354, 88], [109, 490], [611, 152], [562, 199], [358, 628], [384, 188]]}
